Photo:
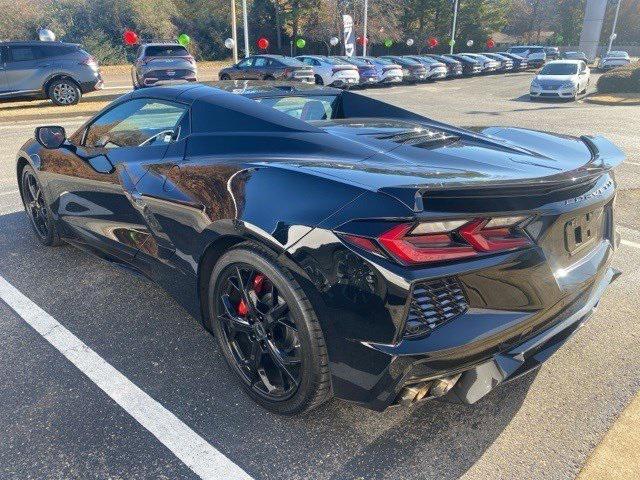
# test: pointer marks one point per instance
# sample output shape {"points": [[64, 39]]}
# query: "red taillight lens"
{"points": [[191, 60], [442, 241], [287, 72], [415, 249]]}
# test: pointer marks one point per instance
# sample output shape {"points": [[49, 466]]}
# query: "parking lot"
{"points": [[57, 422]]}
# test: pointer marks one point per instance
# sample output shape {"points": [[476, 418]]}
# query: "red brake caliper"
{"points": [[258, 285]]}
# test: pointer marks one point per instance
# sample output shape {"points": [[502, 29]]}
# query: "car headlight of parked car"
{"points": [[535, 84]]}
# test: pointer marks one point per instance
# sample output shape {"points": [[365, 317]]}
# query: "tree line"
{"points": [[99, 24]]}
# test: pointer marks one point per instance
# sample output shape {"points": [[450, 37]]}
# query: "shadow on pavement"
{"points": [[145, 335]]}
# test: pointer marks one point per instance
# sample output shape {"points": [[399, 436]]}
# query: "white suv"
{"points": [[332, 71]]}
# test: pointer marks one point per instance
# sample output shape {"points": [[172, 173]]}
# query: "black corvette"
{"points": [[337, 245]]}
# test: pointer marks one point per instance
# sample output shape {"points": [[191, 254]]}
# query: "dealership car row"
{"points": [[63, 72]]}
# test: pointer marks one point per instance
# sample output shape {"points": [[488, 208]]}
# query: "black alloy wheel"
{"points": [[225, 76], [268, 332], [36, 208]]}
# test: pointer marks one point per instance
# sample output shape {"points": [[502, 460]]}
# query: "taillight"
{"points": [[287, 72], [448, 240], [90, 61], [191, 60]]}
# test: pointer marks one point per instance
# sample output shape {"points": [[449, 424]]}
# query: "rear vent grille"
{"points": [[419, 138], [432, 304]]}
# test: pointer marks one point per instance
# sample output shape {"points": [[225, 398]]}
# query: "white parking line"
{"points": [[629, 243], [12, 192], [196, 453]]}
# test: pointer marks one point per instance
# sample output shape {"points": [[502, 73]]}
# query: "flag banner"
{"points": [[349, 36]]}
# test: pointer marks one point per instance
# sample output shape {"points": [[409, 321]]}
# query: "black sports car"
{"points": [[337, 245]]}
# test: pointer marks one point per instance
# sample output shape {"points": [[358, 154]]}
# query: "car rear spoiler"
{"points": [[604, 157]]}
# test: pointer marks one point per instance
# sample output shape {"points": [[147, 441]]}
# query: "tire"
{"points": [[299, 326], [225, 76], [37, 210], [319, 80], [269, 78], [64, 92]]}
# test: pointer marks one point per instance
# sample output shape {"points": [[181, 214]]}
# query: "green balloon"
{"points": [[452, 42], [184, 39], [388, 42], [301, 42]]}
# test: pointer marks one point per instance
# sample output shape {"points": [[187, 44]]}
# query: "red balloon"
{"points": [[130, 37], [263, 43], [432, 42], [491, 43], [362, 40]]}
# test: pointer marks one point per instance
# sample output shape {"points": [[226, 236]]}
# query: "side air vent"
{"points": [[432, 304]]}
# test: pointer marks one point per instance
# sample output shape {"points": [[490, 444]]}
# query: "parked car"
{"points": [[489, 65], [576, 56], [331, 71], [435, 70], [506, 63], [561, 79], [412, 71], [470, 66], [59, 71], [535, 54], [361, 251], [553, 53], [389, 72], [159, 63], [519, 63], [454, 67], [614, 59], [268, 67], [369, 74]]}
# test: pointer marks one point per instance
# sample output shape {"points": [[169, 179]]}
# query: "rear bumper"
{"points": [[93, 84], [477, 382]]}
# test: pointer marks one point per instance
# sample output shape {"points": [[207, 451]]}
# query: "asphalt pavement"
{"points": [[57, 422]]}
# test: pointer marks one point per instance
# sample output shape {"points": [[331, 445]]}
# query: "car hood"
{"points": [[403, 157]]}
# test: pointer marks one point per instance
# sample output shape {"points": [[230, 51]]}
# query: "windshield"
{"points": [[336, 61], [383, 61], [311, 108], [356, 61], [618, 55], [166, 51], [289, 62], [559, 69]]}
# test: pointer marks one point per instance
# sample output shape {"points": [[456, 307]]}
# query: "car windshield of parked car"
{"points": [[336, 61], [383, 61], [618, 55], [289, 62], [311, 108], [166, 51], [559, 69], [356, 61]]}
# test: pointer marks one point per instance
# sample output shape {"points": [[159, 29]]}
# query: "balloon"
{"points": [[469, 43], [388, 42], [263, 43], [409, 42], [333, 41], [229, 43], [432, 42], [361, 40], [184, 39], [130, 38], [46, 35], [491, 43], [301, 42], [452, 42]]}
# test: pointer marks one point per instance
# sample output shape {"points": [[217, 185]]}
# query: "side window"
{"points": [[136, 123], [247, 62], [22, 54], [260, 62]]}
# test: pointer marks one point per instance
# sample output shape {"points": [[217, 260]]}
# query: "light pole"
{"points": [[453, 27], [246, 28], [234, 31], [364, 39], [613, 35]]}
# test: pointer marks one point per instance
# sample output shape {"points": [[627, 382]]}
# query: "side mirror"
{"points": [[51, 137]]}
